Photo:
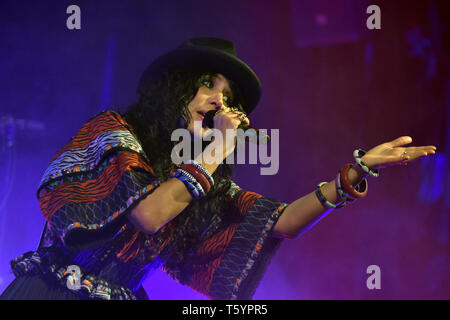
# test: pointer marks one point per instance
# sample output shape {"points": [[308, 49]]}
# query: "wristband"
{"points": [[347, 186], [189, 181], [324, 201], [198, 175], [344, 196], [358, 154], [203, 170]]}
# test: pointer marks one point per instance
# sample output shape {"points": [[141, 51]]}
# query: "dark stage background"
{"points": [[330, 85]]}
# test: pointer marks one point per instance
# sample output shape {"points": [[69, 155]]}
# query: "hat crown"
{"points": [[213, 43], [211, 54]]}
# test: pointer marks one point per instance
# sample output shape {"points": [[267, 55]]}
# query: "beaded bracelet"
{"points": [[358, 154], [189, 181], [324, 201], [347, 186], [203, 170], [198, 175], [193, 181], [190, 186]]}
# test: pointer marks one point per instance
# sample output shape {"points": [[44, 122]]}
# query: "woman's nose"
{"points": [[217, 105], [217, 100]]}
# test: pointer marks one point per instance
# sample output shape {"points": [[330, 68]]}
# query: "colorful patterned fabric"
{"points": [[85, 194], [234, 254], [95, 178], [48, 263]]}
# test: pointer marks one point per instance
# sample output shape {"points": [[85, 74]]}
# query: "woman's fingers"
{"points": [[420, 151], [414, 153], [396, 153], [401, 141], [242, 117], [237, 115]]}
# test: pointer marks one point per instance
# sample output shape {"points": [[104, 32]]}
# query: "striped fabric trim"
{"points": [[89, 187], [234, 188], [243, 253], [257, 249], [85, 159], [104, 121]]}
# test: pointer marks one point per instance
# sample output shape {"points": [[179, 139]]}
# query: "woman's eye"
{"points": [[207, 83]]}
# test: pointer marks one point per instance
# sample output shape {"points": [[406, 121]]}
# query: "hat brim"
{"points": [[208, 59]]}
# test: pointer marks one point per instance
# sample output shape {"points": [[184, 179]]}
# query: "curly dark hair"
{"points": [[161, 109]]}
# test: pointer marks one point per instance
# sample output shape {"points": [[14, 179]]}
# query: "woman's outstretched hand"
{"points": [[395, 153]]}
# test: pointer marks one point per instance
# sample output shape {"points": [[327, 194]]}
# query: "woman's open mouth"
{"points": [[201, 114]]}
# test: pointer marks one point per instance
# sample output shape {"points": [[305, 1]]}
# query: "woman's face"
{"points": [[213, 94]]}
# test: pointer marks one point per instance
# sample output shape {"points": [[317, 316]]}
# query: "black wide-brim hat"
{"points": [[209, 54]]}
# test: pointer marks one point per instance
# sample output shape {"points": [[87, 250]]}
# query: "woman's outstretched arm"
{"points": [[306, 211]]}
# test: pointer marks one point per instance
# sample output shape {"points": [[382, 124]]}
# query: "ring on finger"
{"points": [[405, 163]]}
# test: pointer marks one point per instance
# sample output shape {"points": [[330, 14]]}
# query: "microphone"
{"points": [[255, 135]]}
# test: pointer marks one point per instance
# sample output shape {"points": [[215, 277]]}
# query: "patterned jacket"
{"points": [[89, 245]]}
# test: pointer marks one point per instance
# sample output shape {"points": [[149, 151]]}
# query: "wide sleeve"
{"points": [[233, 254], [94, 180]]}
